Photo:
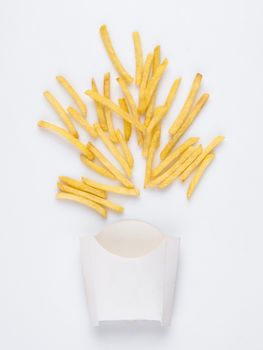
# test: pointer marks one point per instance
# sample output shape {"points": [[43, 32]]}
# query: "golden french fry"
{"points": [[66, 135], [112, 54], [174, 155], [104, 202], [107, 111], [99, 169], [113, 149], [138, 57], [61, 113], [83, 187], [129, 98], [198, 174], [97, 207], [115, 108], [99, 108], [181, 168], [73, 93], [82, 121], [149, 161], [212, 145], [114, 189], [145, 77], [119, 176], [187, 105], [187, 123], [126, 125], [125, 148]]}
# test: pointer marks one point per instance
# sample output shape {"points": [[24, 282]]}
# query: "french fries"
{"points": [[99, 109], [199, 173], [107, 111], [66, 135], [138, 57], [61, 113], [72, 197], [82, 187], [97, 168], [144, 81], [126, 125], [82, 122], [114, 189], [112, 54], [125, 148], [73, 93], [128, 97], [149, 161]]}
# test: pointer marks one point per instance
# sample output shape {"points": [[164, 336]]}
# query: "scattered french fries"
{"points": [[97, 168]]}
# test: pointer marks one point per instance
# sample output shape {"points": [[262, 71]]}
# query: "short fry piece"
{"points": [[66, 135], [112, 54], [72, 197], [99, 108], [149, 161], [145, 77], [125, 148], [198, 174], [119, 176], [126, 125], [115, 108], [107, 111], [212, 145], [114, 189], [104, 202], [99, 169], [82, 121], [138, 57], [73, 93], [61, 113], [83, 187], [187, 105]]}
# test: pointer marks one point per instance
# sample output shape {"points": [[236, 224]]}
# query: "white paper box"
{"points": [[130, 270]]}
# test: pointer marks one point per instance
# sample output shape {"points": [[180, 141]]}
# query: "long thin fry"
{"points": [[212, 145], [112, 54], [82, 121], [149, 161], [145, 77], [181, 168], [125, 148], [97, 207], [99, 169], [99, 108], [113, 149], [119, 176], [107, 111], [61, 113], [129, 98], [66, 135], [104, 202], [138, 57], [73, 93], [115, 108], [198, 174], [126, 125], [83, 187], [175, 154], [187, 123], [187, 105], [114, 189]]}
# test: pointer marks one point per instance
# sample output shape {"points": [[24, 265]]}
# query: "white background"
{"points": [[219, 294]]}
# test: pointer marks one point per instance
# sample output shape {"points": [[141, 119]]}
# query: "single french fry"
{"points": [[99, 169], [198, 174], [138, 57], [119, 176], [66, 135], [144, 81], [187, 105], [181, 168], [99, 109], [125, 148], [72, 197], [126, 125], [149, 161], [114, 189], [107, 111], [115, 108], [129, 98], [187, 123], [212, 145], [104, 202], [82, 121], [61, 113], [112, 54], [174, 155], [113, 149], [73, 93], [79, 185]]}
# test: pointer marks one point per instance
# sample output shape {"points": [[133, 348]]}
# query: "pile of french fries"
{"points": [[141, 115]]}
